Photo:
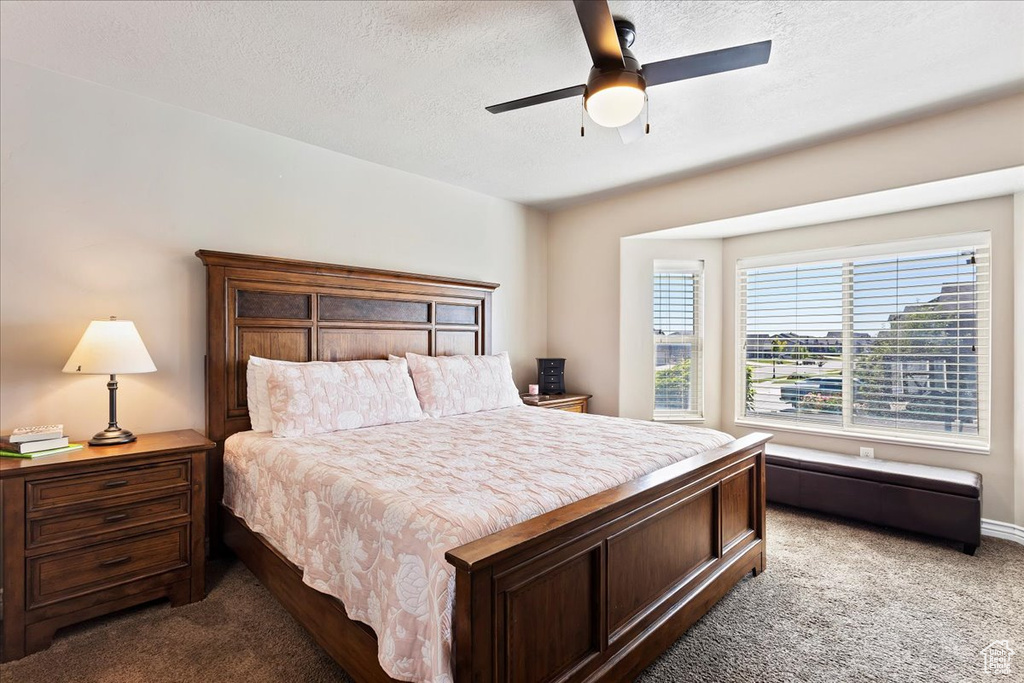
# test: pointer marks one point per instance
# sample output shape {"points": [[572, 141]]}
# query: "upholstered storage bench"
{"points": [[938, 501]]}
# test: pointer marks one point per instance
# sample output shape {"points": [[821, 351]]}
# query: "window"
{"points": [[885, 341], [678, 380]]}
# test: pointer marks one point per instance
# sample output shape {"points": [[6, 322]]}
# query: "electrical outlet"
{"points": [[867, 452]]}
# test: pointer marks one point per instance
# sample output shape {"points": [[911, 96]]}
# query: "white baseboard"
{"points": [[1004, 530]]}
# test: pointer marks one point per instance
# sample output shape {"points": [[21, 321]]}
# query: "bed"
{"points": [[593, 589]]}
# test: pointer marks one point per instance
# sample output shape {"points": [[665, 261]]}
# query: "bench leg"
{"points": [[969, 549]]}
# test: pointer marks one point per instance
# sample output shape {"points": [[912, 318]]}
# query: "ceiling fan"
{"points": [[616, 89]]}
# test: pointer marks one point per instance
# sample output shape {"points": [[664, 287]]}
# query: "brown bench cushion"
{"points": [[924, 477]]}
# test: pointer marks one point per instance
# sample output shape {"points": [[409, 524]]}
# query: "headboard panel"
{"points": [[300, 311]]}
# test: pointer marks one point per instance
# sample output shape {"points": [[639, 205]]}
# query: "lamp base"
{"points": [[112, 437]]}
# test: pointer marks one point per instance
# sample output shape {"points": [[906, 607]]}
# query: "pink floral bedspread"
{"points": [[368, 514]]}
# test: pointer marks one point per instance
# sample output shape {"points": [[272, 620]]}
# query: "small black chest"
{"points": [[551, 375]]}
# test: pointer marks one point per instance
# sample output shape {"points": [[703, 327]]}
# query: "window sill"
{"points": [[976, 449], [679, 420]]}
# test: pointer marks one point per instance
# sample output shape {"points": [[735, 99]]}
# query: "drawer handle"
{"points": [[115, 518], [116, 561], [115, 484]]}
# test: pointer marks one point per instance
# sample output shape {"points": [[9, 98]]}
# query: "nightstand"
{"points": [[573, 403], [98, 530]]}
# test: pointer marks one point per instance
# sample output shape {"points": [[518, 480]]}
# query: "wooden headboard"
{"points": [[301, 311]]}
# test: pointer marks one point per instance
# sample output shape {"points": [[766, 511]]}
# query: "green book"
{"points": [[53, 451]]}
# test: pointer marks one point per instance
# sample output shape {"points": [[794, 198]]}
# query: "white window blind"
{"points": [[884, 341], [678, 372]]}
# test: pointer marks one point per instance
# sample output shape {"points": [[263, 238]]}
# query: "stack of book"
{"points": [[32, 442]]}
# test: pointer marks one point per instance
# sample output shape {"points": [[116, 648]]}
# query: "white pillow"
{"points": [[257, 371], [320, 397], [453, 385]]}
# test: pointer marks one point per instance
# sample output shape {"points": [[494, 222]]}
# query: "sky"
{"points": [[807, 299]]}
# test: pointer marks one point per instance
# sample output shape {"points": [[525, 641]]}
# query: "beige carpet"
{"points": [[839, 602]]}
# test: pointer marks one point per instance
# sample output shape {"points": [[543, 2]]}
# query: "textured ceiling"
{"points": [[405, 83]]}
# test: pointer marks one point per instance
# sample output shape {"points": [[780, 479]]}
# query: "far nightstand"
{"points": [[573, 403], [98, 530]]}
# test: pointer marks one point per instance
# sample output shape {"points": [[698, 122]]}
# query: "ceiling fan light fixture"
{"points": [[615, 93], [614, 98]]}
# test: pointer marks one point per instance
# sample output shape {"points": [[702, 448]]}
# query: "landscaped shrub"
{"points": [[821, 402]]}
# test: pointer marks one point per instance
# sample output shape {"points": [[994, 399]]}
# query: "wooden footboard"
{"points": [[598, 589]]}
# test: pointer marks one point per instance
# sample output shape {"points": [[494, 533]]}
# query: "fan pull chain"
{"points": [[647, 105], [583, 119]]}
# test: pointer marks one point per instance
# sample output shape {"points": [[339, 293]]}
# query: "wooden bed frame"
{"points": [[595, 590]]}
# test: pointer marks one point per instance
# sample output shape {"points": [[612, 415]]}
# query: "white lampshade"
{"points": [[615, 106], [110, 347]]}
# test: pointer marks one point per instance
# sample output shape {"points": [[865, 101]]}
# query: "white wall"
{"points": [[636, 343], [584, 241], [106, 196], [995, 215], [1018, 353]]}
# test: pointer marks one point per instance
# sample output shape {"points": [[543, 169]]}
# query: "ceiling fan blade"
{"points": [[707, 63], [599, 31], [574, 91], [632, 131]]}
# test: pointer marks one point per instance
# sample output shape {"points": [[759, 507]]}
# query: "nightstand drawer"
{"points": [[69, 574], [574, 408], [82, 524], [45, 494]]}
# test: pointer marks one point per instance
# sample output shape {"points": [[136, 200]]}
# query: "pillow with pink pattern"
{"points": [[320, 397], [453, 385], [257, 371]]}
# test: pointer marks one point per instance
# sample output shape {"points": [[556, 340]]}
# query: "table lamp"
{"points": [[110, 347]]}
